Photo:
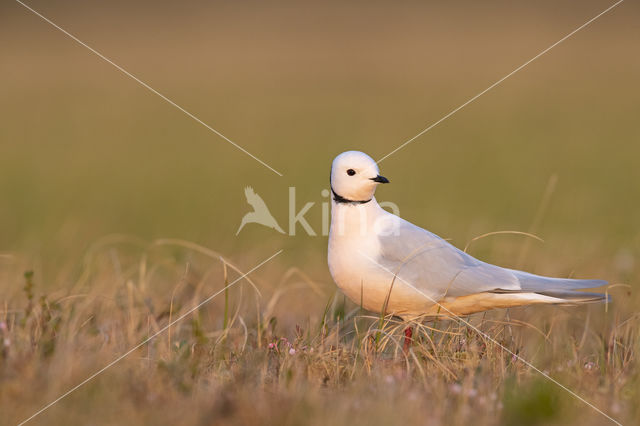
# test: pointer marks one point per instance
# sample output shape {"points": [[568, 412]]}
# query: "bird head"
{"points": [[355, 175]]}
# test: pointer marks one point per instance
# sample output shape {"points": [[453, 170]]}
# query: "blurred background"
{"points": [[95, 168], [86, 152]]}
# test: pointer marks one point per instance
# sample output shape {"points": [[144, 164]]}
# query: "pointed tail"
{"points": [[565, 289]]}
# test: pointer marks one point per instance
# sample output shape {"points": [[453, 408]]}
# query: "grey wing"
{"points": [[432, 265]]}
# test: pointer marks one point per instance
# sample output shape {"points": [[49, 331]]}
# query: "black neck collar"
{"points": [[341, 200]]}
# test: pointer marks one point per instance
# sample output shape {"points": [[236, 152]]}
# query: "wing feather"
{"points": [[439, 269], [435, 266]]}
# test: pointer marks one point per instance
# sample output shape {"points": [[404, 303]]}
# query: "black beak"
{"points": [[380, 179]]}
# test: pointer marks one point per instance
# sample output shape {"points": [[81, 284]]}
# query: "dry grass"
{"points": [[86, 152], [261, 357]]}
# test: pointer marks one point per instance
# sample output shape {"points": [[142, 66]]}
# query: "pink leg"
{"points": [[408, 334]]}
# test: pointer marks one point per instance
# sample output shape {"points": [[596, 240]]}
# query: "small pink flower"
{"points": [[272, 345], [292, 351], [3, 325]]}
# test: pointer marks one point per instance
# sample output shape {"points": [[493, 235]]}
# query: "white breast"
{"points": [[350, 243], [354, 247]]}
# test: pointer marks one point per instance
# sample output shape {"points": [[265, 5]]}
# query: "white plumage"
{"points": [[371, 249]]}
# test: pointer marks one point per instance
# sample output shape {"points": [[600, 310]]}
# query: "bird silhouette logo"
{"points": [[260, 213]]}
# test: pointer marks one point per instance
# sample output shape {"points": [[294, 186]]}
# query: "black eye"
{"points": [[351, 172]]}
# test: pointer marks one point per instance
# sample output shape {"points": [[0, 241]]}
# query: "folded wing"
{"points": [[438, 269]]}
